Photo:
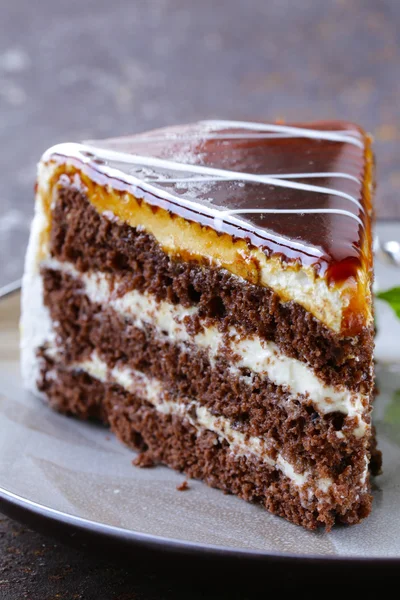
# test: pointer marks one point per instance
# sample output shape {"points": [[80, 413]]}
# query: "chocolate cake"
{"points": [[205, 290]]}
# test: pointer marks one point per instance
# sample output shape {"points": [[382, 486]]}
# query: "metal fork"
{"points": [[387, 252]]}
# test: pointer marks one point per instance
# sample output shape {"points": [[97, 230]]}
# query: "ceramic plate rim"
{"points": [[154, 542]]}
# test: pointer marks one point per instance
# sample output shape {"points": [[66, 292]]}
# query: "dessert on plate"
{"points": [[205, 290]]}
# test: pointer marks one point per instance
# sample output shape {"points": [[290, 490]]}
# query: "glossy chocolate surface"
{"points": [[330, 241]]}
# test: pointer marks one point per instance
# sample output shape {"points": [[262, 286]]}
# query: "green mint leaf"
{"points": [[392, 297], [392, 413]]}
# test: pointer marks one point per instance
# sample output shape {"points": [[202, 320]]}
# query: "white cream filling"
{"points": [[365, 471], [151, 390], [259, 356], [324, 484], [307, 290], [199, 416]]}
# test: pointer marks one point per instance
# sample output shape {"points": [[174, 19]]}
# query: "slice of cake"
{"points": [[205, 290]]}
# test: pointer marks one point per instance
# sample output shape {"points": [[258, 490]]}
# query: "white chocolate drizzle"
{"points": [[350, 137], [107, 161], [221, 175], [212, 130], [278, 176]]}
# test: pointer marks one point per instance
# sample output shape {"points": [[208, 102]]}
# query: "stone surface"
{"points": [[32, 567]]}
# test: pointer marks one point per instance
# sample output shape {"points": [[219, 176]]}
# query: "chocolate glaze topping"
{"points": [[295, 191]]}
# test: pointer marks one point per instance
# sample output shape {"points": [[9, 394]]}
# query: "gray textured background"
{"points": [[85, 68], [71, 69]]}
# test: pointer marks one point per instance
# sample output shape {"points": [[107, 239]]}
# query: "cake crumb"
{"points": [[144, 461], [183, 486]]}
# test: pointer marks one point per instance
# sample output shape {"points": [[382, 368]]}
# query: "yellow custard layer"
{"points": [[344, 307]]}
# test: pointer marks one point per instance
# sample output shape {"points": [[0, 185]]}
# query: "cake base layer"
{"points": [[174, 441], [89, 241]]}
